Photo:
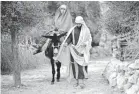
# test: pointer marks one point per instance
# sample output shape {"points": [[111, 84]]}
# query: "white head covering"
{"points": [[79, 19], [63, 6], [63, 22]]}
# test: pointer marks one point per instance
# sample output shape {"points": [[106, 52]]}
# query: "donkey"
{"points": [[51, 51]]}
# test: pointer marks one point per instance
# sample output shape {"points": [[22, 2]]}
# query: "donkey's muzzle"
{"points": [[55, 51]]}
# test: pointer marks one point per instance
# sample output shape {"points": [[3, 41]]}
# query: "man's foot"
{"points": [[77, 83], [82, 85]]}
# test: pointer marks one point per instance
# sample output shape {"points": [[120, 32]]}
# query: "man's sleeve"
{"points": [[69, 40]]}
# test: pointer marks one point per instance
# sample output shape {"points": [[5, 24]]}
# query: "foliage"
{"points": [[122, 16], [122, 19]]}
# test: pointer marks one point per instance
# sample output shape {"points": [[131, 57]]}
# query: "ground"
{"points": [[38, 81]]}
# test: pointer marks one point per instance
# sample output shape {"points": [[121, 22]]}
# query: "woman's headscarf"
{"points": [[63, 21]]}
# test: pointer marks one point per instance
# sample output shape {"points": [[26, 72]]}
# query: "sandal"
{"points": [[75, 85], [82, 86]]}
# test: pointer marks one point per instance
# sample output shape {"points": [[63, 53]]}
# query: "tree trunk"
{"points": [[15, 61]]}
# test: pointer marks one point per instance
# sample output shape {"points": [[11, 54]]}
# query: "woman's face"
{"points": [[62, 10]]}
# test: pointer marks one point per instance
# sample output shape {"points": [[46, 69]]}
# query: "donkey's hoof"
{"points": [[58, 80], [52, 83]]}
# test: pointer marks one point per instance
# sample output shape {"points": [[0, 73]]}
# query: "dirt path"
{"points": [[37, 81]]}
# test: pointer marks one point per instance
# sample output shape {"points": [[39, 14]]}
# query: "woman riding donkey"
{"points": [[78, 40], [62, 23]]}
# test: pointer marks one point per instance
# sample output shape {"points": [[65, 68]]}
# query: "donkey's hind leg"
{"points": [[53, 71], [58, 64]]}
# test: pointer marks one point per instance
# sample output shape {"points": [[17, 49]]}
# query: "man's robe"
{"points": [[83, 46]]}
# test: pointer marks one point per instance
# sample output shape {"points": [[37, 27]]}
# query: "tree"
{"points": [[15, 17], [122, 20], [121, 15], [10, 23]]}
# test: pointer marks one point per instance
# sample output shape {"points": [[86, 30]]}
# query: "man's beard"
{"points": [[79, 27]]}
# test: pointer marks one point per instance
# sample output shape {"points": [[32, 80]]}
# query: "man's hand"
{"points": [[66, 44], [84, 45]]}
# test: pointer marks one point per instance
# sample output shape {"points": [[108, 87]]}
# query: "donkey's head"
{"points": [[55, 42]]}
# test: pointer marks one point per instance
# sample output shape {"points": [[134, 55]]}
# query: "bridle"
{"points": [[55, 49], [55, 43]]}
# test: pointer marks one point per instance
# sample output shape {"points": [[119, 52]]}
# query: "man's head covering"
{"points": [[79, 19], [63, 21]]}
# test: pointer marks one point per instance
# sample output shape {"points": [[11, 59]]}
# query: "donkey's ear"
{"points": [[51, 37], [43, 36], [48, 33]]}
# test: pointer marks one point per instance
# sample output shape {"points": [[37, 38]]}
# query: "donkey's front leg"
{"points": [[58, 64], [53, 71]]}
